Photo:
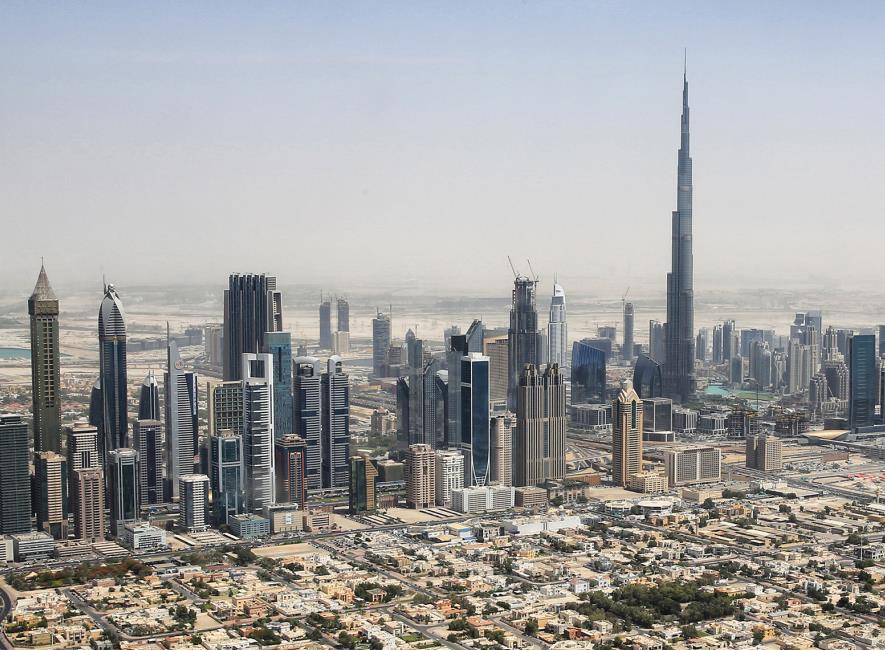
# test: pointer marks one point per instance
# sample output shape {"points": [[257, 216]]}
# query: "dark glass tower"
{"points": [[15, 478], [45, 382], [112, 362], [326, 325], [523, 336], [380, 343], [336, 424], [679, 376], [475, 430], [343, 315], [149, 398], [308, 400], [279, 344], [862, 379], [252, 306], [588, 373]]}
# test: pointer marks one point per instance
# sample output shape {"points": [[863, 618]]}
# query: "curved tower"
{"points": [[112, 366], [679, 376], [149, 398]]}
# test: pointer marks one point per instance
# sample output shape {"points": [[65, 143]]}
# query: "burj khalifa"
{"points": [[679, 374]]}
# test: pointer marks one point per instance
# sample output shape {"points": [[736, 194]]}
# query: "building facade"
{"points": [[626, 435], [252, 306], [45, 356], [15, 477], [539, 445]]}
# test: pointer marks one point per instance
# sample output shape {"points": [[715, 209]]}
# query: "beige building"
{"points": [[647, 482], [764, 453], [692, 465], [420, 477], [626, 434], [51, 479], [497, 348], [88, 502], [539, 443], [501, 431]]}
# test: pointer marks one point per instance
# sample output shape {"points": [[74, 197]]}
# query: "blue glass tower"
{"points": [[862, 379], [475, 432], [588, 373], [279, 344], [112, 378]]}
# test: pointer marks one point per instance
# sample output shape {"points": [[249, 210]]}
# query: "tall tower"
{"points": [[279, 344], [679, 376], [475, 432], [343, 315], [45, 380], [149, 398], [627, 348], [420, 477], [15, 478], [182, 432], [258, 430], [557, 329], [309, 417], [539, 445], [336, 424], [380, 342], [147, 438], [123, 486], [112, 362], [226, 475], [326, 325], [524, 338], [291, 468], [51, 493], [626, 434], [252, 306]]}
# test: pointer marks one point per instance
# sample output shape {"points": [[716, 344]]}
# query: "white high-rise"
{"points": [[181, 420], [258, 430], [449, 475], [557, 329]]}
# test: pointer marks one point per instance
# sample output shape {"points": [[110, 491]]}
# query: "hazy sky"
{"points": [[346, 142]]}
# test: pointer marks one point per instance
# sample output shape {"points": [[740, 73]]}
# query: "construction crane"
{"points": [[624, 299]]}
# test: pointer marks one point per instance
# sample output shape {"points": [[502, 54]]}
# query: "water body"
{"points": [[15, 353]]}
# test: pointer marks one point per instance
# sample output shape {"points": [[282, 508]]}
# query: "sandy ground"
{"points": [[288, 551]]}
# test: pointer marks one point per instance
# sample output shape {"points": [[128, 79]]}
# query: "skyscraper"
{"points": [[420, 477], [336, 424], [123, 488], [380, 343], [258, 430], [279, 345], [557, 329], [15, 478], [112, 362], [363, 475], [496, 348], [656, 343], [326, 325], [149, 398], [45, 377], [524, 339], [475, 434], [83, 447], [588, 373], [194, 512], [309, 417], [51, 491], [343, 315], [252, 306], [627, 348], [147, 436], [539, 443], [460, 346], [87, 496], [291, 470], [226, 473], [182, 432], [626, 434], [501, 455], [449, 475], [862, 381], [679, 375]]}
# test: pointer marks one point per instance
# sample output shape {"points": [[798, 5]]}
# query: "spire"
{"points": [[43, 290]]}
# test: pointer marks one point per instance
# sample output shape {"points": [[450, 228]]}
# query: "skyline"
{"points": [[333, 124]]}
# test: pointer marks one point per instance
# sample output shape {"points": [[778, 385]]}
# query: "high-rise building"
{"points": [[363, 475], [149, 398], [224, 404], [691, 465], [309, 417], [182, 428], [557, 329], [627, 348], [702, 344], [147, 436], [87, 502], [226, 473], [112, 362], [435, 394], [15, 478], [501, 456], [717, 344], [524, 338], [474, 421], [497, 348], [380, 343], [343, 315], [96, 405], [460, 346], [449, 475], [657, 414], [194, 513], [336, 424], [647, 379], [213, 344], [279, 345], [862, 380], [539, 445], [83, 447], [729, 341], [252, 306], [290, 467], [420, 477], [626, 434], [588, 373], [51, 491], [679, 374], [764, 453], [656, 341], [123, 483], [45, 355], [325, 324], [258, 430]]}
